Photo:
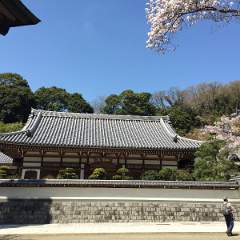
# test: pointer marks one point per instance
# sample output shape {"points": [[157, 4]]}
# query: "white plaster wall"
{"points": [[152, 162], [31, 159], [118, 193], [173, 163], [27, 164], [134, 161], [68, 159], [51, 159]]}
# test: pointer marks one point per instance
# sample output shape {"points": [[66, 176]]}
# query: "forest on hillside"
{"points": [[189, 109]]}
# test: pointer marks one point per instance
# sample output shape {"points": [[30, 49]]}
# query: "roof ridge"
{"points": [[176, 135], [100, 116], [13, 133], [30, 131], [26, 128]]}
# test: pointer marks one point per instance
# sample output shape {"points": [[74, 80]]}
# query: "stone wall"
{"points": [[43, 211], [42, 205]]}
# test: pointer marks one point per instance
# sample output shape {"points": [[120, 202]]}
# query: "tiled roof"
{"points": [[61, 129], [4, 159]]}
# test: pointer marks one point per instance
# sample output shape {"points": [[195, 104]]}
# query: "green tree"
{"points": [[67, 173], [183, 119], [58, 99], [150, 175], [53, 99], [98, 173], [76, 103], [212, 162], [10, 127], [130, 103], [16, 98]]}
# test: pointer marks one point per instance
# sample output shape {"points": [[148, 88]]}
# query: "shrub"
{"points": [[184, 175], [98, 173], [167, 174], [150, 175], [117, 177], [122, 174], [67, 173]]}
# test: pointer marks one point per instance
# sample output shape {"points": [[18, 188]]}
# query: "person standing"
{"points": [[228, 215]]}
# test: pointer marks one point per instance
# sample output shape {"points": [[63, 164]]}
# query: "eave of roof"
{"points": [[14, 13]]}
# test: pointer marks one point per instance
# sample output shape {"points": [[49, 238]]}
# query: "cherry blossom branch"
{"points": [[166, 17]]}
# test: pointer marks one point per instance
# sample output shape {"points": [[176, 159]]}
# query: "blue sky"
{"points": [[98, 48]]}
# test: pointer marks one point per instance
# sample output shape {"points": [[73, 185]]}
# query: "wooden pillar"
{"points": [[79, 159], [102, 155], [88, 155], [178, 157], [61, 157], [161, 156], [82, 171], [125, 155], [143, 161], [42, 155], [118, 156]]}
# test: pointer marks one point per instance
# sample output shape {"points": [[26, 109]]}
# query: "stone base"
{"points": [[46, 211]]}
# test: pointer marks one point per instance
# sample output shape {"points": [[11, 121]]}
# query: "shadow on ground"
{"points": [[13, 237]]}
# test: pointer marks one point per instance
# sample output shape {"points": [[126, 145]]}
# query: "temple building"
{"points": [[51, 141]]}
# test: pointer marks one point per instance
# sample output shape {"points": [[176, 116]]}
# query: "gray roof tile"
{"points": [[46, 128]]}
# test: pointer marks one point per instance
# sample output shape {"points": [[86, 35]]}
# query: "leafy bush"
{"points": [[184, 175], [67, 173], [98, 173], [167, 174], [117, 177], [150, 175], [122, 174]]}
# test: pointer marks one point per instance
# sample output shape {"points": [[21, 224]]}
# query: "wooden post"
{"points": [[161, 156], [61, 158], [125, 159], [42, 155], [143, 161], [102, 156], [88, 155], [118, 156], [79, 159]]}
